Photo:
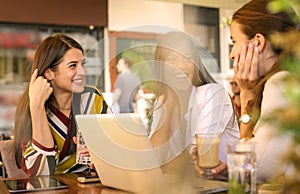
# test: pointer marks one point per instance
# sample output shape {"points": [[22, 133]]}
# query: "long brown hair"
{"points": [[256, 17], [48, 55], [187, 46]]}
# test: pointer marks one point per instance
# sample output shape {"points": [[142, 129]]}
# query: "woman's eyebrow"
{"points": [[72, 62]]}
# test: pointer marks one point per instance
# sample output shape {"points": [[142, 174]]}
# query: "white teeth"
{"points": [[77, 81]]}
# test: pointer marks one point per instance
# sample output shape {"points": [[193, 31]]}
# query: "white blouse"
{"points": [[209, 110]]}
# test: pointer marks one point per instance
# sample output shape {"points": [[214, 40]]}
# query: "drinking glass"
{"points": [[208, 152], [241, 163], [82, 158]]}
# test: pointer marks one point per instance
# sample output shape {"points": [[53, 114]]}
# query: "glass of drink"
{"points": [[241, 163], [82, 156], [208, 152]]}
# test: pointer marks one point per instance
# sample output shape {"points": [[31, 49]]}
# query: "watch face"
{"points": [[245, 118]]}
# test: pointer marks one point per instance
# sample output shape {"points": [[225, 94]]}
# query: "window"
{"points": [[18, 43], [203, 24]]}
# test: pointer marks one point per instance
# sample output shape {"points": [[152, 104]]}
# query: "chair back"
{"points": [[7, 152]]}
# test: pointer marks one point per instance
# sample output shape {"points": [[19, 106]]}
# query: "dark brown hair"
{"points": [[48, 55], [256, 17]]}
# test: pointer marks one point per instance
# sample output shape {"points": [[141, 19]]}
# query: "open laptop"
{"points": [[123, 154]]}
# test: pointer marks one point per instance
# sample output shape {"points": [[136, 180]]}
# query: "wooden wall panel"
{"points": [[55, 12]]}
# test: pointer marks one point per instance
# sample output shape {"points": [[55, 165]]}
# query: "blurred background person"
{"points": [[127, 88]]}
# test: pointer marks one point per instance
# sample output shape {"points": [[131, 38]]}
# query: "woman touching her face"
{"points": [[259, 74], [255, 57], [44, 124]]}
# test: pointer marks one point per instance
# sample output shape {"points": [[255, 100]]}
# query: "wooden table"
{"points": [[74, 187]]}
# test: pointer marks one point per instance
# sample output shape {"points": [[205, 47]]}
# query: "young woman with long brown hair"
{"points": [[56, 92], [258, 71]]}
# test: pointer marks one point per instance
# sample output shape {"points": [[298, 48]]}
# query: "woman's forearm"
{"points": [[40, 128], [250, 105]]}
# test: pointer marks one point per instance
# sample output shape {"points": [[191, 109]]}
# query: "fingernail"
{"points": [[256, 49], [250, 45]]}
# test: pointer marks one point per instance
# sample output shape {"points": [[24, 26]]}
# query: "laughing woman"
{"points": [[44, 124]]}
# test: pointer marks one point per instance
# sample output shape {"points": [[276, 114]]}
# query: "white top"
{"points": [[209, 110], [270, 149]]}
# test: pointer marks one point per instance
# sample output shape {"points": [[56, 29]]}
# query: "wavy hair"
{"points": [[48, 55]]}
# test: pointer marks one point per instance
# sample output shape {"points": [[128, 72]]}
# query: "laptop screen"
{"points": [[124, 158]]}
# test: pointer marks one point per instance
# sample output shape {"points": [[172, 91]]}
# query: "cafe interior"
{"points": [[106, 29]]}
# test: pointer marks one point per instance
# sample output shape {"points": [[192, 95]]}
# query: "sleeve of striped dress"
{"points": [[38, 160]]}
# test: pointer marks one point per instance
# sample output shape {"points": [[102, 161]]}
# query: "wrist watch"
{"points": [[245, 118]]}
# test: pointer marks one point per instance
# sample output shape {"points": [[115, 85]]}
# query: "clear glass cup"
{"points": [[241, 161], [82, 158], [208, 152]]}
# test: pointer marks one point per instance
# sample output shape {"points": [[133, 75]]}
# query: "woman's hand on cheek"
{"points": [[246, 67]]}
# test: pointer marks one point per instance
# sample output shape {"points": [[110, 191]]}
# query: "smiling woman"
{"points": [[44, 124], [70, 75], [188, 102]]}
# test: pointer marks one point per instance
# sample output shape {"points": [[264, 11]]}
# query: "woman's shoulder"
{"points": [[92, 92], [277, 77], [276, 84], [92, 89], [274, 96]]}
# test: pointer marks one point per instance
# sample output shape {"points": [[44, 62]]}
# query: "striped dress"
{"points": [[39, 160]]}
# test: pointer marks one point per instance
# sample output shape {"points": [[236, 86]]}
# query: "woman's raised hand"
{"points": [[246, 67], [39, 90]]}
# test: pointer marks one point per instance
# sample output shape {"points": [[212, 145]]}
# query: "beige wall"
{"points": [[134, 15], [226, 4], [126, 14]]}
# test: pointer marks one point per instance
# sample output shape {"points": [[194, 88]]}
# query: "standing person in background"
{"points": [[189, 101], [236, 97], [44, 124], [127, 87], [258, 71]]}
